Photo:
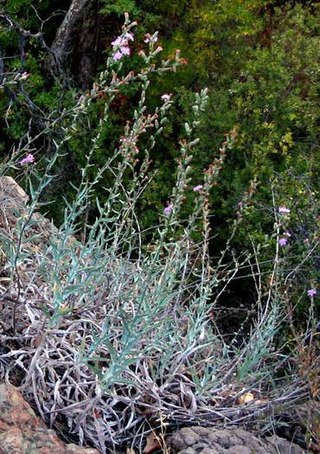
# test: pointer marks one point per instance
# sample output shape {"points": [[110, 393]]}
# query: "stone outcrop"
{"points": [[22, 432], [13, 206], [201, 440]]}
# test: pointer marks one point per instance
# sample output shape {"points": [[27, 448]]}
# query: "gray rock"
{"points": [[204, 440]]}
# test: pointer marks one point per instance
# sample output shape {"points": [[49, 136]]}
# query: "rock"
{"points": [[22, 432], [13, 203], [203, 440], [12, 195]]}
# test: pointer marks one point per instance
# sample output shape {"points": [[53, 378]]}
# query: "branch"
{"points": [[22, 32]]}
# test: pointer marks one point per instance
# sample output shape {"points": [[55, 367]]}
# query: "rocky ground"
{"points": [[201, 440]]}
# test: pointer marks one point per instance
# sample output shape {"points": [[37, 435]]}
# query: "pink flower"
{"points": [[122, 40], [168, 209], [198, 188], [284, 210], [151, 38], [166, 97], [29, 159], [312, 292], [118, 42], [121, 52], [283, 242], [129, 36], [24, 76], [117, 55], [125, 50]]}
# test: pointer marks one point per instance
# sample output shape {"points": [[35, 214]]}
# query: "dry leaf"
{"points": [[262, 401], [153, 443], [245, 398], [130, 451]]}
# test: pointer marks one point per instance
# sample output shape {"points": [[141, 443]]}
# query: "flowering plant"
{"points": [[125, 329]]}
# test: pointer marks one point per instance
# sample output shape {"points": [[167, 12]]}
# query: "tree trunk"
{"points": [[1, 66], [88, 47], [62, 44]]}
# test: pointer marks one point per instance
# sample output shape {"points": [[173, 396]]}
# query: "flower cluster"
{"points": [[121, 46]]}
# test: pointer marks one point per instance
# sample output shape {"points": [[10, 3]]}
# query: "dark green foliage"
{"points": [[260, 60]]}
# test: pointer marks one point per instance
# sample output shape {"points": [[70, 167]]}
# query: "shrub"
{"points": [[113, 332]]}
